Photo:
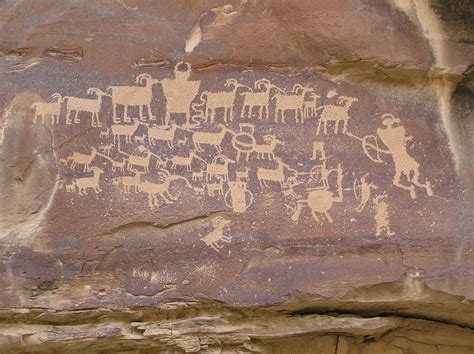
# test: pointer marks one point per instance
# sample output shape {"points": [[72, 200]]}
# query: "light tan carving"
{"points": [[128, 183], [265, 151], [155, 190], [119, 130], [213, 238], [242, 175], [44, 109], [265, 175], [162, 134], [238, 197], [318, 150], [133, 96], [210, 102], [244, 141], [105, 133], [395, 139], [311, 105], [179, 93], [181, 161], [382, 216], [293, 101], [215, 187], [259, 99], [212, 139], [219, 167], [336, 114], [78, 158], [143, 162], [106, 149], [84, 183], [362, 191], [198, 175], [76, 105]]}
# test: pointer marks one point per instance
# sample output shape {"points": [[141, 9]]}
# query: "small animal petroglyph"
{"points": [[242, 175], [119, 130], [213, 238], [128, 183], [106, 149], [155, 190], [52, 109], [215, 187], [162, 134], [265, 175], [78, 158], [84, 183], [219, 167], [265, 151], [181, 161], [211, 139], [105, 133]]}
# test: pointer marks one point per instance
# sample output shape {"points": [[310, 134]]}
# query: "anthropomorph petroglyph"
{"points": [[213, 238], [238, 197], [395, 139], [362, 190], [382, 216]]}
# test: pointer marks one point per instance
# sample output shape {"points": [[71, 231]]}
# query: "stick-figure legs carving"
{"points": [[395, 139], [362, 191]]}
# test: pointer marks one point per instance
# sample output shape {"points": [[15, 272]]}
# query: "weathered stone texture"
{"points": [[289, 176]]}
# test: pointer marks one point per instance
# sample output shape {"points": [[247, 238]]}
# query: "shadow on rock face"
{"points": [[28, 171]]}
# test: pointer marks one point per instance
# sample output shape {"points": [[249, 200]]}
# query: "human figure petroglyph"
{"points": [[266, 151], [185, 161], [219, 167], [119, 130], [44, 109], [155, 190], [200, 138], [259, 99], [395, 139], [293, 101], [336, 114], [84, 183], [362, 191], [212, 101], [238, 197], [318, 150], [382, 216], [180, 92], [213, 238], [265, 175], [78, 158], [162, 134], [133, 96], [89, 105]]}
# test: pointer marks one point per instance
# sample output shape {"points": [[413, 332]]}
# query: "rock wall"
{"points": [[237, 176]]}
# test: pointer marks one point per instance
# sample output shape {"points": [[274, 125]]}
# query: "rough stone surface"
{"points": [[331, 213]]}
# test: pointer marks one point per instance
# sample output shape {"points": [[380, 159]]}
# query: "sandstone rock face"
{"points": [[239, 176]]}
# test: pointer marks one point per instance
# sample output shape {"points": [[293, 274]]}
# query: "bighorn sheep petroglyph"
{"points": [[90, 105], [133, 96], [259, 100], [52, 109], [217, 234], [333, 113], [89, 182], [78, 158], [294, 101]]}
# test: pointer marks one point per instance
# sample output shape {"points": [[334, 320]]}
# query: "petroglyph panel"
{"points": [[269, 157]]}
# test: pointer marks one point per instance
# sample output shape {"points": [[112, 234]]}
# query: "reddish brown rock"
{"points": [[236, 176]]}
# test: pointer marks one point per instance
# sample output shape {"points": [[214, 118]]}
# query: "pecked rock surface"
{"points": [[236, 176]]}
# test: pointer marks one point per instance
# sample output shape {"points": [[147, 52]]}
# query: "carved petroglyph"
{"points": [[45, 109], [382, 216], [76, 105], [336, 114], [362, 190], [133, 96], [179, 93], [213, 238], [210, 102], [395, 139], [293, 101], [146, 148]]}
